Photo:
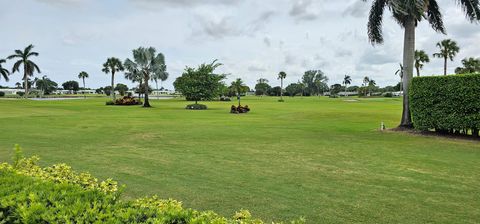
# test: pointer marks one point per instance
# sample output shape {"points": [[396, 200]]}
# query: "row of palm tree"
{"points": [[408, 14], [448, 50]]}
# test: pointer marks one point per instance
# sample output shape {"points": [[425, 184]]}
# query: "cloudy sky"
{"points": [[251, 38]]}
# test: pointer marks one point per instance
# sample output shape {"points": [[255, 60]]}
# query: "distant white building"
{"points": [[87, 91], [11, 91]]}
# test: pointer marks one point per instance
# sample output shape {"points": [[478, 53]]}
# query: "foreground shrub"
{"points": [[56, 194], [127, 101], [2, 94], [196, 107], [446, 103], [239, 110]]}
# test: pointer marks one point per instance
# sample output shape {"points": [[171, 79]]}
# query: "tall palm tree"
{"points": [[83, 75], [366, 80], [4, 72], [112, 65], [149, 64], [239, 87], [371, 84], [134, 75], [282, 75], [347, 80], [420, 59], [408, 13], [448, 50], [29, 66]]}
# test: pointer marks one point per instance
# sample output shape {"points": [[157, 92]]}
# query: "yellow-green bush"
{"points": [[446, 103], [57, 194]]}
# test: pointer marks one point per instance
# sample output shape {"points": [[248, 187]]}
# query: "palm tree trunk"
{"points": [[408, 58], [84, 96], [238, 98], [345, 90], [26, 80], [445, 66], [418, 71], [281, 89], [146, 103], [113, 87]]}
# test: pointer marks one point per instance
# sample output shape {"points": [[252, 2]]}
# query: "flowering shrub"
{"points": [[57, 194]]}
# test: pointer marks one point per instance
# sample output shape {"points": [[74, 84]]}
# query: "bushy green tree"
{"points": [[262, 87], [294, 89], [71, 85], [470, 65], [200, 83], [335, 89], [275, 91], [313, 80], [121, 88], [46, 85]]}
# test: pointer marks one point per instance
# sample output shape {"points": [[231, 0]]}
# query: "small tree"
{"points": [[448, 50], [112, 65], [83, 76], [420, 59], [200, 83], [71, 85], [121, 88], [347, 80], [262, 87], [239, 87]]}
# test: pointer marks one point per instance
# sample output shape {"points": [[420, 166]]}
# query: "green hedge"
{"points": [[57, 194], [446, 103]]}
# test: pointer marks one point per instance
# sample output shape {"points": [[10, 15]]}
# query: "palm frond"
{"points": [[434, 17], [375, 21], [471, 9]]}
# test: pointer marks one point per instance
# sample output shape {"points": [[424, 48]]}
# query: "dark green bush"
{"points": [[56, 194], [196, 107], [446, 103], [388, 94], [2, 94], [20, 93], [110, 102]]}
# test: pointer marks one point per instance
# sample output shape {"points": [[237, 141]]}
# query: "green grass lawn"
{"points": [[320, 158]]}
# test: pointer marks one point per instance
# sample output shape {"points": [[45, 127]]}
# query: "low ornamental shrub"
{"points": [[2, 94], [56, 194], [239, 110], [21, 93], [388, 94], [127, 101], [196, 107], [110, 102], [446, 103]]}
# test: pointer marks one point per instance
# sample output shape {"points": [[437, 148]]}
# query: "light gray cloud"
{"points": [[357, 9], [178, 3], [301, 10]]}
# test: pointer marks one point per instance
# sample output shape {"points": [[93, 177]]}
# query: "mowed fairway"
{"points": [[320, 158]]}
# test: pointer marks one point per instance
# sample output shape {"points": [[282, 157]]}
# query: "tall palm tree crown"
{"points": [[347, 80], [29, 66], [408, 13], [420, 59], [470, 65], [112, 65], [281, 75], [3, 71], [83, 76], [148, 64], [448, 50]]}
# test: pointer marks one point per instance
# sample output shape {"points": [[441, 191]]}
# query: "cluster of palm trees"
{"points": [[146, 66], [408, 14], [24, 62]]}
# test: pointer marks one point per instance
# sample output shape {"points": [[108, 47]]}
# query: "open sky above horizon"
{"points": [[252, 39]]}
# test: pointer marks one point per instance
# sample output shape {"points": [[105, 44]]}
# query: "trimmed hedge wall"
{"points": [[446, 103], [57, 194]]}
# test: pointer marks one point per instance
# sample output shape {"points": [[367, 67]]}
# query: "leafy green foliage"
{"points": [[2, 94], [56, 194], [121, 88], [46, 85], [200, 83], [196, 106], [470, 65], [446, 103], [71, 85]]}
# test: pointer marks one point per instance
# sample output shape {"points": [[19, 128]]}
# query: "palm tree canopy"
{"points": [[83, 75], [4, 72], [366, 79], [238, 86], [400, 71], [347, 80], [24, 60], [420, 58], [112, 65], [448, 49], [404, 10], [470, 65], [282, 75], [147, 63]]}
